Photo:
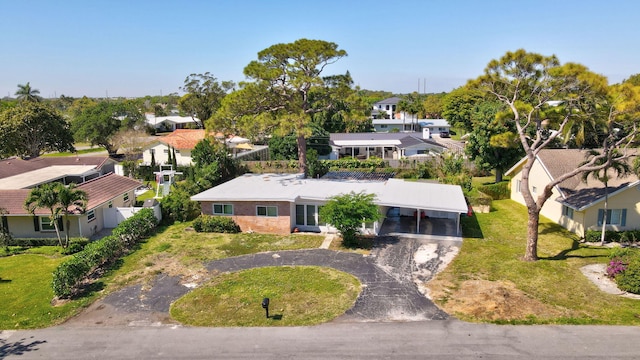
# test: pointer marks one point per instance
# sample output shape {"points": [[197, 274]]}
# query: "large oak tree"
{"points": [[31, 128]]}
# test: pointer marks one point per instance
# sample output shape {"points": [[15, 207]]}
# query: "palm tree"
{"points": [[616, 168], [45, 196], [69, 196], [57, 198], [26, 93]]}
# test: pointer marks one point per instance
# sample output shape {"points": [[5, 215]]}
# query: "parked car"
{"points": [[445, 134]]}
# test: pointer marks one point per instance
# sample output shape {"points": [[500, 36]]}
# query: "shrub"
{"points": [[70, 274], [615, 267], [629, 278], [497, 191], [609, 235], [218, 224]]}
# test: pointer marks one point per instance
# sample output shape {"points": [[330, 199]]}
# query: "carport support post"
{"points": [[417, 221]]}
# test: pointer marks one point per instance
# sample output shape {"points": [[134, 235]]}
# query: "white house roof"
{"points": [[40, 176], [422, 122], [291, 188], [153, 120]]}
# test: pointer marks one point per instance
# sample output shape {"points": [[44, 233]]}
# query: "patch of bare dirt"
{"points": [[488, 300]]}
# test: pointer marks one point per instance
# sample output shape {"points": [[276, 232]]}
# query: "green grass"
{"points": [[184, 251], [78, 152], [300, 295], [492, 250], [26, 294]]}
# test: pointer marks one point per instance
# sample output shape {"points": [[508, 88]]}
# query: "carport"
{"points": [[414, 208]]}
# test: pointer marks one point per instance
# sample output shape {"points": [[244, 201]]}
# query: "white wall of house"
{"points": [[161, 155]]}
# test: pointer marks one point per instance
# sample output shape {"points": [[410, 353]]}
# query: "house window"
{"points": [[270, 211], [125, 197], [614, 217], [567, 211], [534, 190], [222, 209], [177, 151], [393, 108], [152, 151], [518, 182], [166, 151], [46, 224], [383, 126], [91, 215], [308, 215], [387, 107], [110, 204]]}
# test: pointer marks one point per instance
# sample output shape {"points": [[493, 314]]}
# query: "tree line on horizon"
{"points": [[522, 103]]}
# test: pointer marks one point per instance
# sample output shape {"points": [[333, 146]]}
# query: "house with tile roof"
{"points": [[183, 141], [383, 145], [281, 203], [104, 192], [577, 205], [171, 122]]}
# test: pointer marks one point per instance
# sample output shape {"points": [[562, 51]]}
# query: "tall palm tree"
{"points": [[616, 168], [69, 196], [27, 93], [57, 198]]}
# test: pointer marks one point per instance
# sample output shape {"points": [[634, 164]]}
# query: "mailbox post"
{"points": [[265, 306]]}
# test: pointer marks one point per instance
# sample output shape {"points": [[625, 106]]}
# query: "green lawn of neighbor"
{"points": [[26, 294], [493, 248]]}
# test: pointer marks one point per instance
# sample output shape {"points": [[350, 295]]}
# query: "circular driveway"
{"points": [[390, 279]]}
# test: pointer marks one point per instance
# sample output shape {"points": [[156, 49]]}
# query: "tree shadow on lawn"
{"points": [[575, 245]]}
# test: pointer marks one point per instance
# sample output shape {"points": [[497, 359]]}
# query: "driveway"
{"points": [[392, 278]]}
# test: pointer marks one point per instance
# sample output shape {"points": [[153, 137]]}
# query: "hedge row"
{"points": [[69, 274], [217, 224], [497, 191], [612, 236], [33, 242]]}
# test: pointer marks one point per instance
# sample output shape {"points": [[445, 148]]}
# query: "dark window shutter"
{"points": [[600, 216], [36, 223], [623, 221], [5, 223]]}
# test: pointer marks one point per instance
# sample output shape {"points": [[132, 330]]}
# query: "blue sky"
{"points": [[137, 48]]}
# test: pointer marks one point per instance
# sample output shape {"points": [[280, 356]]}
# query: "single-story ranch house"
{"points": [[279, 203], [383, 145], [106, 191], [170, 123], [576, 205]]}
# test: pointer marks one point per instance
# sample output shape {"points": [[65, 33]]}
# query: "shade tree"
{"points": [[543, 98]]}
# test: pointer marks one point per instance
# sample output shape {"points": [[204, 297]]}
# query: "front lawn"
{"points": [[26, 293], [299, 296], [488, 281]]}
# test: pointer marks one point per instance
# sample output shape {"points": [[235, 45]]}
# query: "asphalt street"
{"points": [[448, 339]]}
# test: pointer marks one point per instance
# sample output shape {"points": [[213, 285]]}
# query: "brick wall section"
{"points": [[244, 214]]}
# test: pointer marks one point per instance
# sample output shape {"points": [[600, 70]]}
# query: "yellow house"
{"points": [[575, 204]]}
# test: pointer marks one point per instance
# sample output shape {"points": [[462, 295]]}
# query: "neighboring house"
{"points": [[103, 192], [435, 126], [382, 145], [388, 107], [576, 205], [280, 203], [171, 123], [181, 140], [16, 173]]}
